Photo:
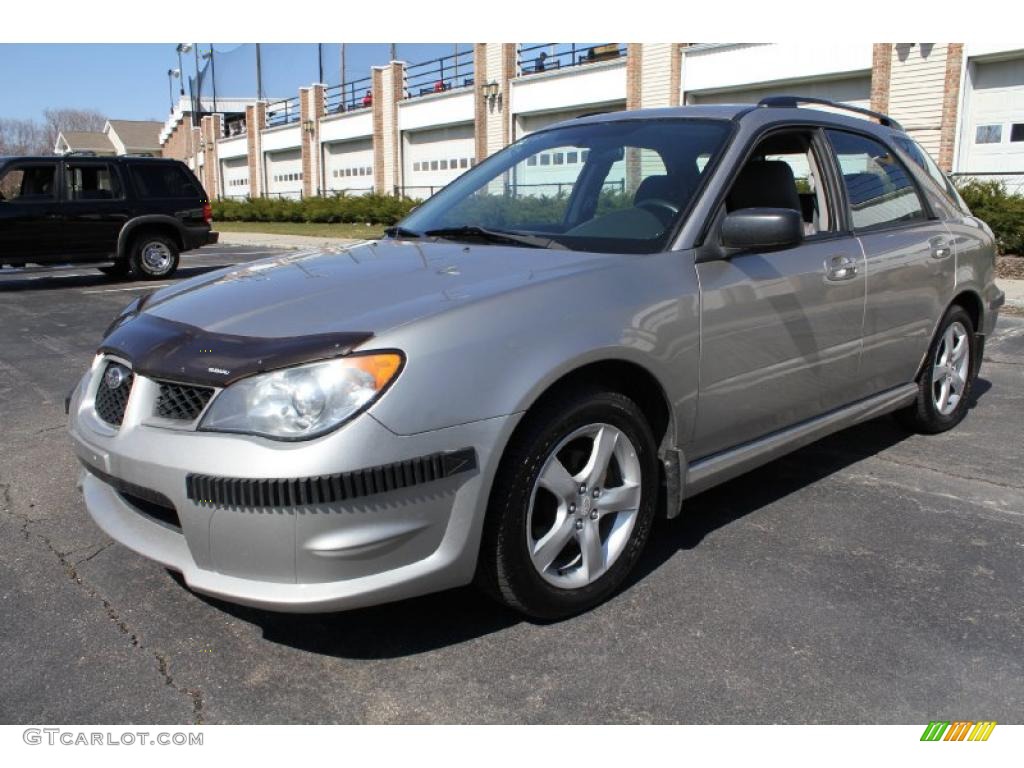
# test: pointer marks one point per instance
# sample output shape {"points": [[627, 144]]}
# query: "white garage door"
{"points": [[284, 173], [434, 157], [348, 166], [993, 135], [528, 123], [234, 174], [855, 91]]}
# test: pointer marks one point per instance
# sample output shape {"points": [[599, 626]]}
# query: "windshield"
{"points": [[615, 187]]}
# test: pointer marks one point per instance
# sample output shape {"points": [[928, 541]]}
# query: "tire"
{"points": [[117, 270], [525, 510], [941, 402], [154, 256]]}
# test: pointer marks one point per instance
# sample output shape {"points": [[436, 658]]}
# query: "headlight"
{"points": [[305, 401]]}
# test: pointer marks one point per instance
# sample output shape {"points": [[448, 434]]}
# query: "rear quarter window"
{"points": [[164, 180]]}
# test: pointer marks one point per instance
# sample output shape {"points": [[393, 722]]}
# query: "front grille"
{"points": [[182, 401], [112, 394], [327, 489]]}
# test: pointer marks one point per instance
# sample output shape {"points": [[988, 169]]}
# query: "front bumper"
{"points": [[315, 553]]}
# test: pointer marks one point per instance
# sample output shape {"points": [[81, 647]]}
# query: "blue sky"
{"points": [[129, 81]]}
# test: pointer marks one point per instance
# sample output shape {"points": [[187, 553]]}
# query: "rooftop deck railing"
{"points": [[439, 75], [545, 57], [351, 95], [283, 112]]}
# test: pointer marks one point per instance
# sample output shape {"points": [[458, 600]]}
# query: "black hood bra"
{"points": [[166, 349]]}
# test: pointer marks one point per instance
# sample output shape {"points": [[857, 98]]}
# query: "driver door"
{"points": [[780, 329]]}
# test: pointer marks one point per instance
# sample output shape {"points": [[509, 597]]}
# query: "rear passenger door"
{"points": [[909, 259], [95, 208]]}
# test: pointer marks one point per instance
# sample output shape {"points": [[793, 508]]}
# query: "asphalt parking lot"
{"points": [[872, 577]]}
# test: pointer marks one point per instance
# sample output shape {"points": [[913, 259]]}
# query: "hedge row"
{"points": [[1002, 210], [361, 209]]}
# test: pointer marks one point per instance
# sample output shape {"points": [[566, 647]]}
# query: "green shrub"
{"points": [[368, 209], [1003, 211]]}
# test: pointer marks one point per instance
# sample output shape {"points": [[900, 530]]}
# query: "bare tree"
{"points": [[23, 137], [59, 120]]}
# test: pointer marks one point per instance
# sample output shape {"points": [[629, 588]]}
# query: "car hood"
{"points": [[370, 287]]}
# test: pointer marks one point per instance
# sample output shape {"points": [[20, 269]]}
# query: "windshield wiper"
{"points": [[397, 231], [494, 236]]}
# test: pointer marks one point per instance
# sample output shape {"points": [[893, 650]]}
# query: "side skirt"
{"points": [[720, 467]]}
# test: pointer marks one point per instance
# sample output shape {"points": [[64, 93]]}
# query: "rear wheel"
{"points": [[572, 505], [154, 257], [945, 382]]}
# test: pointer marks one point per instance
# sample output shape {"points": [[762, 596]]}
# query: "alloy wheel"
{"points": [[951, 368], [156, 257], [584, 506]]}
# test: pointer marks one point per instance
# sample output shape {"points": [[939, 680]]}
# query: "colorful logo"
{"points": [[958, 730]]}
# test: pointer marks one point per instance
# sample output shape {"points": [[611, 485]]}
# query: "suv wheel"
{"points": [[154, 257], [572, 505], [945, 383]]}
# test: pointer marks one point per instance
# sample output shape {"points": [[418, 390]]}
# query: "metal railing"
{"points": [[418, 192], [296, 195], [545, 57], [439, 75], [283, 112], [355, 94]]}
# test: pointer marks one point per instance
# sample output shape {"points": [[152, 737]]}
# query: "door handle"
{"points": [[841, 267], [941, 248]]}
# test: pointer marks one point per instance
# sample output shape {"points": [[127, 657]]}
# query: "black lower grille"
{"points": [[327, 489], [182, 401], [112, 394], [150, 503]]}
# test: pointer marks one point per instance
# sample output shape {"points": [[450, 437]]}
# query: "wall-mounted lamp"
{"points": [[308, 126], [490, 90]]}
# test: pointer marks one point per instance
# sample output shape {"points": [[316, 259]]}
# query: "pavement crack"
{"points": [[916, 465], [71, 571]]}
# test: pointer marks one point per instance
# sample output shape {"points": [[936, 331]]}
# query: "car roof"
{"points": [[742, 113]]}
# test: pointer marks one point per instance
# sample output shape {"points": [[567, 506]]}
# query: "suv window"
{"points": [[878, 186], [163, 180], [92, 181], [29, 183]]}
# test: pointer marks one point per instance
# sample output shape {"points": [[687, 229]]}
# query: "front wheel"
{"points": [[154, 257], [946, 381], [572, 505]]}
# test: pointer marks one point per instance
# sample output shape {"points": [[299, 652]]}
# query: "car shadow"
{"points": [[43, 281], [423, 624]]}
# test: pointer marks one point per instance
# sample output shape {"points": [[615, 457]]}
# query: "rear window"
{"points": [[164, 180]]}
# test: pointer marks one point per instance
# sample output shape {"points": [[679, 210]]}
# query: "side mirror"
{"points": [[762, 228]]}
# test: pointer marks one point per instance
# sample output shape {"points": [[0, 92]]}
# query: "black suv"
{"points": [[125, 214]]}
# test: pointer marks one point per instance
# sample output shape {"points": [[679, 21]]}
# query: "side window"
{"points": [[92, 181], [916, 153], [34, 183], [163, 180], [784, 171], [878, 187]]}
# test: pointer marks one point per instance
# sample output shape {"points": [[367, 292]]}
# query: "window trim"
{"points": [[926, 208]]}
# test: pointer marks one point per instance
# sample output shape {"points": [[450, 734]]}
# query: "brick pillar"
{"points": [[634, 86], [388, 91], [211, 129], [881, 73], [311, 109], [255, 122], [494, 63], [950, 105], [479, 101]]}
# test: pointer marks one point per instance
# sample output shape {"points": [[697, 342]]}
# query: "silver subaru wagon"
{"points": [[593, 325]]}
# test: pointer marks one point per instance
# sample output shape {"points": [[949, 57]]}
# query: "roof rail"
{"points": [[796, 101]]}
